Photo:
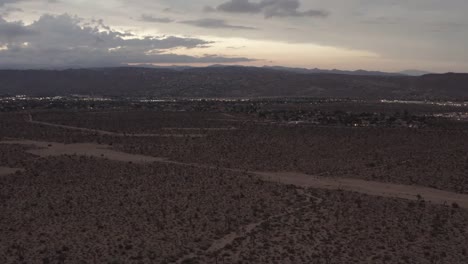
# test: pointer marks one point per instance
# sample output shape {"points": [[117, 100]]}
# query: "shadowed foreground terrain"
{"points": [[77, 187]]}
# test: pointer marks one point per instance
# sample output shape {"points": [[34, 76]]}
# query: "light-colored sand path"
{"points": [[45, 149], [200, 128], [7, 171], [409, 192]]}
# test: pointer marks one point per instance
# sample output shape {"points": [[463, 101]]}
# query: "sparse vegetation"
{"points": [[204, 204]]}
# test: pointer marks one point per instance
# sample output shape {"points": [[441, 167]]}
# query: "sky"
{"points": [[386, 35]]}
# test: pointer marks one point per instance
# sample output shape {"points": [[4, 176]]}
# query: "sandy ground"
{"points": [[381, 189], [7, 171], [409, 192], [45, 149]]}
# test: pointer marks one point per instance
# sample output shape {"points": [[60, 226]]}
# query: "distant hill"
{"points": [[307, 71], [229, 82], [414, 72], [334, 71]]}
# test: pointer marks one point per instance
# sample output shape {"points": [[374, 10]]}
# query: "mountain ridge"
{"points": [[232, 81]]}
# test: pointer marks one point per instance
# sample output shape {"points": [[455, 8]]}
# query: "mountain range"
{"points": [[306, 70], [231, 81], [357, 72]]}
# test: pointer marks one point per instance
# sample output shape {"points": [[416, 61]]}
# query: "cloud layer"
{"points": [[214, 23], [63, 41], [3, 2], [150, 18], [270, 8], [388, 35]]}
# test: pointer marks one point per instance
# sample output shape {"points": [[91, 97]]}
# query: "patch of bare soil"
{"points": [[45, 149], [7, 171], [409, 192]]}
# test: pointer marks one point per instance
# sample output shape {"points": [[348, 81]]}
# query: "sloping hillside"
{"points": [[228, 82]]}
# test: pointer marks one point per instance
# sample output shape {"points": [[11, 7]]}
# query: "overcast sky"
{"points": [[389, 35]]}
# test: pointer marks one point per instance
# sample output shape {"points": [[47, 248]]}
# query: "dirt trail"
{"points": [[6, 171], [246, 231], [108, 133], [201, 128], [409, 192], [45, 149], [299, 179]]}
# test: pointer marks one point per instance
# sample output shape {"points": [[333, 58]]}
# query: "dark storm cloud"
{"points": [[10, 31], [152, 19], [62, 41], [214, 23], [3, 2], [240, 6], [269, 8]]}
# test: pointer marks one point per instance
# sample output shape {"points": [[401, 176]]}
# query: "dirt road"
{"points": [[108, 133], [409, 192], [382, 189], [45, 149]]}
